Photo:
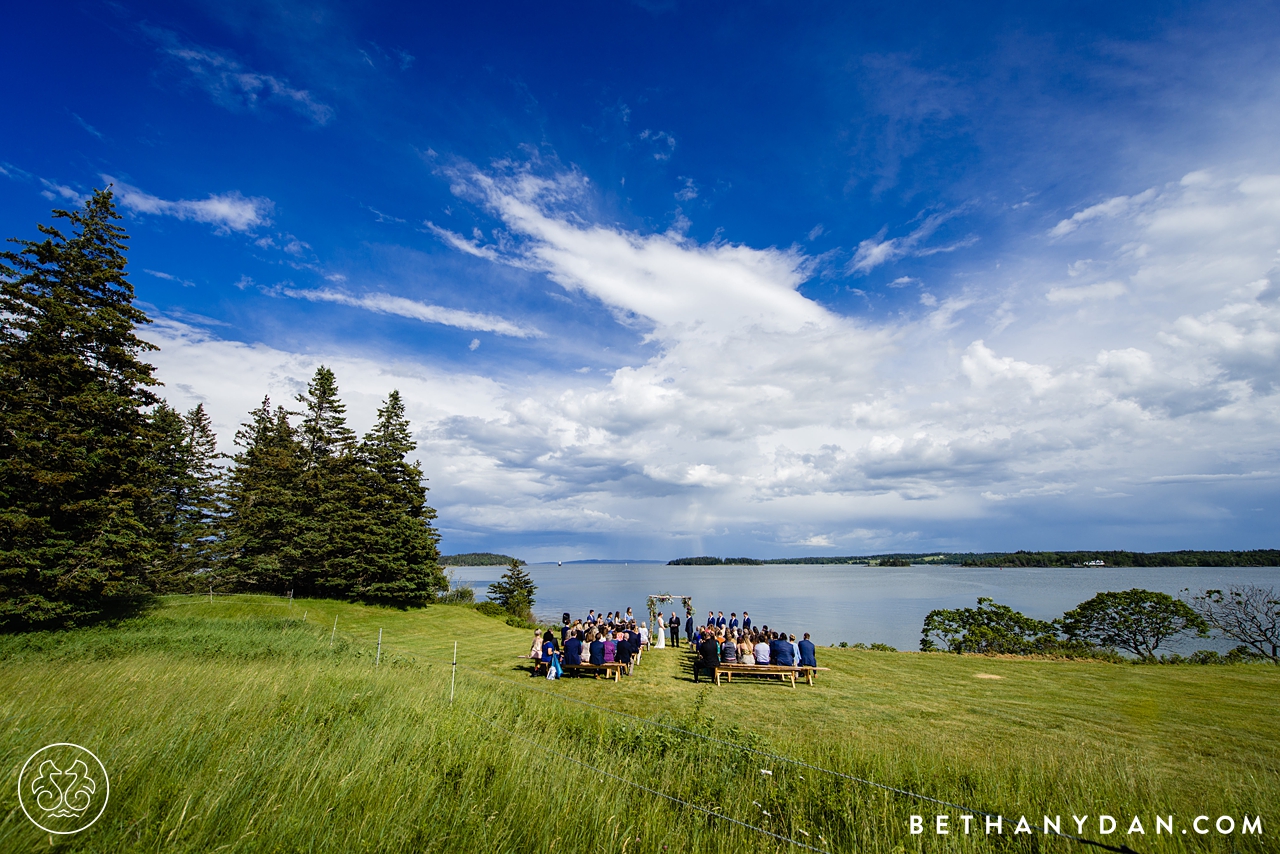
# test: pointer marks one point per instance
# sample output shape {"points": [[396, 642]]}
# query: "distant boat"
{"points": [[558, 563], [1095, 563]]}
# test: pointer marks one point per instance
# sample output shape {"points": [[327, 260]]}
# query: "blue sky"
{"points": [[663, 278]]}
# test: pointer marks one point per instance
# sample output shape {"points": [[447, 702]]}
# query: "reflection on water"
{"points": [[853, 603]]}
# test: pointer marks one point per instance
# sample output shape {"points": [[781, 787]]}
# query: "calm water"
{"points": [[852, 603]]}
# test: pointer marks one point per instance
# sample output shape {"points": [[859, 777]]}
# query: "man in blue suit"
{"points": [[597, 651], [746, 621], [780, 651], [808, 655], [688, 630], [711, 619], [721, 622], [573, 649], [733, 621]]}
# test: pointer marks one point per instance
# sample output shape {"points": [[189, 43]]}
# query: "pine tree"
{"points": [[189, 512], [400, 552], [333, 497], [263, 513], [514, 591], [75, 445]]}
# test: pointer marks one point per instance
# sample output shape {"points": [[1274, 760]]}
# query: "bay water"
{"points": [[867, 604]]}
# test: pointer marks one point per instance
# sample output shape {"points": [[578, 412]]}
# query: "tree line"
{"points": [[109, 496], [1185, 557], [1136, 621]]}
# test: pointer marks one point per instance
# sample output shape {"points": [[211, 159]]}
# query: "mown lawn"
{"points": [[235, 726]]}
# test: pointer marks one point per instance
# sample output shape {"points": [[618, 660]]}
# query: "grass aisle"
{"points": [[235, 726]]}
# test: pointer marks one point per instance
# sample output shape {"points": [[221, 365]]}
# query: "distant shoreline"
{"points": [[1120, 559]]}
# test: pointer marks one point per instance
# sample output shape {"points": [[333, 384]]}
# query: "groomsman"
{"points": [[721, 622], [711, 619], [688, 629], [733, 621], [746, 621]]}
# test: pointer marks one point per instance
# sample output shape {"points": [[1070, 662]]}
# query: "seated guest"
{"points": [[622, 651], [644, 635], [573, 649], [780, 651], [610, 649], [761, 649], [808, 655], [795, 650], [746, 652], [728, 651], [708, 656], [597, 650]]}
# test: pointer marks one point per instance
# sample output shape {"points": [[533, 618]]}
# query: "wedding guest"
{"points": [[808, 654]]}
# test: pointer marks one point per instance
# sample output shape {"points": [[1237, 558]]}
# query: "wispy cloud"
{"points": [[233, 85], [1113, 207], [169, 277], [875, 251], [88, 127], [414, 310], [225, 212]]}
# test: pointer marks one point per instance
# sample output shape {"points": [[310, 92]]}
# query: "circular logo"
{"points": [[63, 788]]}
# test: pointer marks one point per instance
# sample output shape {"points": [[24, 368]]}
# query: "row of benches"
{"points": [[783, 672]]}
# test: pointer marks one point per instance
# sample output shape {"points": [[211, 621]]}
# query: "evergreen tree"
{"points": [[333, 497], [189, 512], [400, 556], [263, 509], [514, 591], [75, 443]]}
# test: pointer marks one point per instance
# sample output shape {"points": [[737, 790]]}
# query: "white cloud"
{"points": [[1113, 207], [875, 251], [1102, 290], [760, 411], [234, 86], [225, 212], [414, 310]]}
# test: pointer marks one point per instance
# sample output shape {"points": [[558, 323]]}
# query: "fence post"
{"points": [[304, 615], [334, 632], [454, 675], [378, 660], [210, 594]]}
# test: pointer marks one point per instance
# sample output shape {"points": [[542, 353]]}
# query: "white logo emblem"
{"points": [[63, 788]]}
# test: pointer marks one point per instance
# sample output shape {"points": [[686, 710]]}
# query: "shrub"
{"points": [[491, 609]]}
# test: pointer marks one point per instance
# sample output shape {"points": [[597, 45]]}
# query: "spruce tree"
{"points": [[400, 551], [264, 516], [514, 591], [333, 498], [189, 512], [76, 495]]}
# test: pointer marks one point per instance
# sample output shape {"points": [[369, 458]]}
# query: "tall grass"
{"points": [[237, 727]]}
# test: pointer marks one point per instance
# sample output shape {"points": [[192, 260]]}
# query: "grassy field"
{"points": [[235, 726]]}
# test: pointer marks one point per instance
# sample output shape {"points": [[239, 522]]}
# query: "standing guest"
{"points": [[573, 649], [780, 651], [610, 649], [675, 629], [564, 627], [721, 622], [733, 622], [808, 655], [688, 630], [708, 656], [596, 648], [746, 652], [746, 621], [591, 616], [762, 649]]}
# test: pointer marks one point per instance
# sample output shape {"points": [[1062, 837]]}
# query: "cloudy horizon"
{"points": [[669, 281]]}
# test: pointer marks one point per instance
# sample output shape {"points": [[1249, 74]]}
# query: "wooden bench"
{"points": [[782, 671], [612, 669]]}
